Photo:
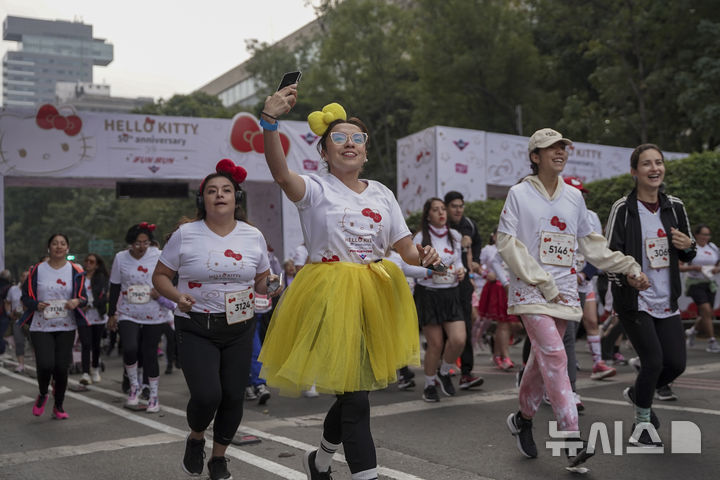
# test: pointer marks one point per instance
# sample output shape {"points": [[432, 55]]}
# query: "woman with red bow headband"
{"points": [[653, 228], [541, 223], [138, 312], [221, 264], [347, 322]]}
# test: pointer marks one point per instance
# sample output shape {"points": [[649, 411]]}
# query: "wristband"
{"points": [[268, 115], [268, 126]]}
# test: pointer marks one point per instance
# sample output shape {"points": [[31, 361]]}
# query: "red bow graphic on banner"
{"points": [[48, 118]]}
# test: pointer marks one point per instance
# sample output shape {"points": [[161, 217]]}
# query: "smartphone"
{"points": [[274, 285], [289, 78], [439, 268]]}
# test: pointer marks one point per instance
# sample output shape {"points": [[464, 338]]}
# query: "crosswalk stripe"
{"points": [[14, 402]]}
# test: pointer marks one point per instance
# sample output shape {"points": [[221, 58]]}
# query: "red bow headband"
{"points": [[48, 118], [146, 226], [236, 172]]}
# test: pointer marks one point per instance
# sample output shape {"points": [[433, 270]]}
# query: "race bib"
{"points": [[446, 277], [239, 306], [658, 252], [557, 249], [139, 294], [55, 309], [262, 302]]}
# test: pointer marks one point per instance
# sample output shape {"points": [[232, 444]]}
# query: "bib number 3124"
{"points": [[239, 306]]}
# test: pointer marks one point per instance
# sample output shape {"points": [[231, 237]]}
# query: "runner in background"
{"points": [[96, 286]]}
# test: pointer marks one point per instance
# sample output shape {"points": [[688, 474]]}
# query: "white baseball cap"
{"points": [[545, 137]]}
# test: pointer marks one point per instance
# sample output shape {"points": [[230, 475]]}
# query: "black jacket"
{"points": [[624, 234]]}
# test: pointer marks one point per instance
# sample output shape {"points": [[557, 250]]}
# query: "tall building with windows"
{"points": [[49, 51]]}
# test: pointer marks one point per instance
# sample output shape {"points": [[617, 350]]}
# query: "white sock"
{"points": [[593, 342], [132, 373], [370, 474], [692, 329], [430, 380], [446, 367], [153, 386], [323, 457]]}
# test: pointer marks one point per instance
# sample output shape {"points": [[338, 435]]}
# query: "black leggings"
{"points": [[129, 333], [215, 360], [660, 344], [53, 355], [348, 421], [90, 336], [467, 357]]}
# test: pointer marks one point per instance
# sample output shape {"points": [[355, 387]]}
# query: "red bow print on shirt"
{"points": [[334, 258], [376, 217], [555, 222], [230, 254], [60, 282], [194, 285], [142, 269], [448, 251], [661, 233]]}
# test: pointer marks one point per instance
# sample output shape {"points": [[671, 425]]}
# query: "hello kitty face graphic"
{"points": [[224, 261], [364, 223], [50, 141]]}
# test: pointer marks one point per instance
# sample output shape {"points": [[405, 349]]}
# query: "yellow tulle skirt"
{"points": [[344, 327]]}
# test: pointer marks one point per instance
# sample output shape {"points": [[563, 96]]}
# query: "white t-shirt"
{"points": [[300, 255], [209, 265], [135, 279], [92, 314], [539, 224], [493, 262], [451, 257], [656, 299], [707, 256], [54, 286], [341, 225], [395, 257], [14, 296]]}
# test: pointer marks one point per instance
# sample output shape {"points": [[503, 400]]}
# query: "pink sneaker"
{"points": [[507, 363], [39, 405], [59, 413], [600, 371], [499, 362]]}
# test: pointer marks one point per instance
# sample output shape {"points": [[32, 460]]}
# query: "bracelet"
{"points": [[269, 126], [268, 115]]}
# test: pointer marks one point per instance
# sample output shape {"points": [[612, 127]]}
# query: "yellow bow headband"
{"points": [[319, 121]]}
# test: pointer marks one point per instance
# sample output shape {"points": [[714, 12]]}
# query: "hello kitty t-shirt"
{"points": [[209, 265], [340, 225], [54, 287], [135, 278]]}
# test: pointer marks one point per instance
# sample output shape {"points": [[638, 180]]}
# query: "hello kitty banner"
{"points": [[60, 142], [439, 159]]}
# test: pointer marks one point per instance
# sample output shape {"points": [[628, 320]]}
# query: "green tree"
{"points": [[196, 104]]}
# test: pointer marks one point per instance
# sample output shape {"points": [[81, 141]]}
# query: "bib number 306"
{"points": [[239, 306]]}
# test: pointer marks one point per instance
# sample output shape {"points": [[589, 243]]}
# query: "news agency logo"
{"points": [[685, 438]]}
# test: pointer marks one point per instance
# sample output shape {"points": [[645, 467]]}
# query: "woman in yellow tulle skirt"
{"points": [[347, 322], [342, 326]]}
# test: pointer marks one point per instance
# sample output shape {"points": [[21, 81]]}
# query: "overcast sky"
{"points": [[163, 47]]}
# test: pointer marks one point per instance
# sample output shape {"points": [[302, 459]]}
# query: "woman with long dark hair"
{"points": [[96, 286], [653, 228], [54, 294]]}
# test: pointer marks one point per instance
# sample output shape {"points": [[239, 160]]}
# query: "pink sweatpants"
{"points": [[546, 370]]}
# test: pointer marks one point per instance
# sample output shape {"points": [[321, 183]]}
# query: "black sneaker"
{"points": [[405, 382], [665, 394], [217, 466], [629, 395], [644, 439], [581, 456], [311, 470], [263, 394], [522, 430], [194, 458], [446, 384], [145, 393], [469, 381], [430, 394]]}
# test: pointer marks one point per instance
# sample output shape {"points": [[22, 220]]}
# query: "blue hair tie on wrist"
{"points": [[269, 126]]}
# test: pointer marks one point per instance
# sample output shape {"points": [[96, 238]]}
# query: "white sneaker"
{"points": [[85, 379], [312, 393], [133, 400], [713, 346], [635, 363], [690, 336], [96, 376], [153, 405]]}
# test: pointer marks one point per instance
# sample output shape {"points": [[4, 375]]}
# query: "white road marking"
{"points": [[14, 402], [4, 389], [45, 454]]}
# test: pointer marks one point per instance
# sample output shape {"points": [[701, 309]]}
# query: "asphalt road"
{"points": [[459, 438]]}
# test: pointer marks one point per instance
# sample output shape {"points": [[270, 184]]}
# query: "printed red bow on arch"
{"points": [[148, 226], [237, 173], [48, 118]]}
